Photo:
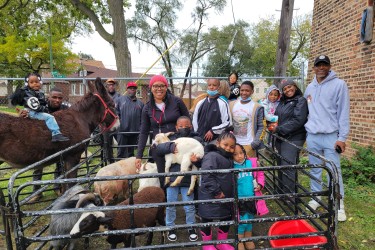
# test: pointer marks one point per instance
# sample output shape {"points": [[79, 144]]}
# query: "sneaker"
{"points": [[341, 216], [172, 236], [59, 137], [313, 204], [193, 236]]}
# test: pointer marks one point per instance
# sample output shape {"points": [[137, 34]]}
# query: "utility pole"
{"points": [[50, 52], [284, 39]]}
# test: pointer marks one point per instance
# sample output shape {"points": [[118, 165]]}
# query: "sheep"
{"points": [[115, 190], [185, 148], [148, 168], [120, 219], [62, 224]]}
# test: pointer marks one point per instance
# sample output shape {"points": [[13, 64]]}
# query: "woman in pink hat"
{"points": [[159, 115]]}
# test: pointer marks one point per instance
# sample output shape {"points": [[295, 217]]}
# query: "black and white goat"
{"points": [[62, 224], [120, 219]]}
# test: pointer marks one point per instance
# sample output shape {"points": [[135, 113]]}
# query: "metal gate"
{"points": [[28, 223]]}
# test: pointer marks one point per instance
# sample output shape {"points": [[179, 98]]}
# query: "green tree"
{"points": [[232, 50], [254, 48]]}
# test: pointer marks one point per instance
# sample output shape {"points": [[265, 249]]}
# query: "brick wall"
{"points": [[335, 32]]}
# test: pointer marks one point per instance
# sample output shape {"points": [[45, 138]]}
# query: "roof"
{"points": [[94, 63]]}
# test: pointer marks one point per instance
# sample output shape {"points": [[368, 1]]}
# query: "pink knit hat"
{"points": [[158, 78]]}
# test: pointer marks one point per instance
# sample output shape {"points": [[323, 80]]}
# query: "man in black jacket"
{"points": [[129, 109], [54, 103]]}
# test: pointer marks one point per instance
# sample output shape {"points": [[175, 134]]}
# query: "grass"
{"points": [[358, 232], [5, 109]]}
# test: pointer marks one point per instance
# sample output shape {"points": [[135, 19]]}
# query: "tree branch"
{"points": [[94, 19]]}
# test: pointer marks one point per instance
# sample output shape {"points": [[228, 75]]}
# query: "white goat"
{"points": [[186, 147], [148, 168]]}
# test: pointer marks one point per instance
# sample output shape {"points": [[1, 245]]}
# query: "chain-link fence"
{"points": [[74, 88]]}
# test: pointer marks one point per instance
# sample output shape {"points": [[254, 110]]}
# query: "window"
{"points": [[257, 90], [73, 89], [81, 89]]}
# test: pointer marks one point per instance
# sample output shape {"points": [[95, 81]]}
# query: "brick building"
{"points": [[336, 33]]}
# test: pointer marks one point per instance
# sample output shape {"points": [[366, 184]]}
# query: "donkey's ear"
{"points": [[91, 87], [99, 85]]}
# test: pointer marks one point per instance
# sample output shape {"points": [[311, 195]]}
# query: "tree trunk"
{"points": [[119, 37], [120, 42]]}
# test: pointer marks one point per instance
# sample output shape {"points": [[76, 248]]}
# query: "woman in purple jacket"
{"points": [[159, 115]]}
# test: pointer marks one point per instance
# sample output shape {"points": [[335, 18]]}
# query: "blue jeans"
{"points": [[49, 119], [323, 144], [172, 196]]}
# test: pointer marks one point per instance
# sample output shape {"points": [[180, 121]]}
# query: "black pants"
{"points": [[160, 163], [207, 230], [108, 139], [124, 140], [287, 182]]}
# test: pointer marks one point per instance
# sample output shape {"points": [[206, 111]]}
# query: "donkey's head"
{"points": [[109, 120]]}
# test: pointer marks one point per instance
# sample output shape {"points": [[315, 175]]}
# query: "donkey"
{"points": [[25, 141]]}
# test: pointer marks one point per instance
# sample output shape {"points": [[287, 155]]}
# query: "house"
{"points": [[75, 85], [260, 89]]}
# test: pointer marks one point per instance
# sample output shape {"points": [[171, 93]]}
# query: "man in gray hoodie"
{"points": [[328, 123]]}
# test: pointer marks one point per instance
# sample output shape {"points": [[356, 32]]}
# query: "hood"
{"points": [[331, 75], [272, 87]]}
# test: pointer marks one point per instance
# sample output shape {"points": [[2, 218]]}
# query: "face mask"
{"points": [[184, 132], [212, 92], [245, 100], [225, 153], [239, 163]]}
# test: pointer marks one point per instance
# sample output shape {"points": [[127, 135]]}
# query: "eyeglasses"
{"points": [[159, 86]]}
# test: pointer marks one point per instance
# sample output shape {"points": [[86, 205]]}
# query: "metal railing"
{"points": [[30, 221]]}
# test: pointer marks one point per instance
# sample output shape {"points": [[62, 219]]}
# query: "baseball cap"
{"points": [[131, 84], [322, 58], [110, 80]]}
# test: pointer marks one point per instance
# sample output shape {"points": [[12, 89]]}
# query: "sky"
{"points": [[247, 10]]}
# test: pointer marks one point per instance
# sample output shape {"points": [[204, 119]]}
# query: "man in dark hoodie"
{"points": [[184, 128]]}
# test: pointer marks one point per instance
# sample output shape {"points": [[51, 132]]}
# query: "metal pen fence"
{"points": [[27, 223]]}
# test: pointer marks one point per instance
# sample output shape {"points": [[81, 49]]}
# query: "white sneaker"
{"points": [[314, 204], [341, 216]]}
